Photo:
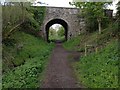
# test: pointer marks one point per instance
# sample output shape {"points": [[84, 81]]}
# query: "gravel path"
{"points": [[59, 73]]}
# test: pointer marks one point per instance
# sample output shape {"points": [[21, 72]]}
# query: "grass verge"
{"points": [[99, 70], [27, 63]]}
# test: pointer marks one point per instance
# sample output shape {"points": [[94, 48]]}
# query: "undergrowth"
{"points": [[78, 43], [24, 61], [99, 70]]}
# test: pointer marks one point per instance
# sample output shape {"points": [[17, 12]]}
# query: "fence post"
{"points": [[96, 49], [85, 49]]}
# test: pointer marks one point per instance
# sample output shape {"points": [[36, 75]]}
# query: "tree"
{"points": [[93, 10], [25, 17], [12, 20], [61, 31], [52, 31], [118, 18], [118, 10]]}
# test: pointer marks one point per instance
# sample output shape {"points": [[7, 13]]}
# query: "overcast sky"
{"points": [[57, 3], [60, 3], [65, 3]]}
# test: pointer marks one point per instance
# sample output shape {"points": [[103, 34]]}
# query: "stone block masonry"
{"points": [[67, 17]]}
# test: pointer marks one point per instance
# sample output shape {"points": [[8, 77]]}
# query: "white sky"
{"points": [[57, 3], [65, 3], [56, 26]]}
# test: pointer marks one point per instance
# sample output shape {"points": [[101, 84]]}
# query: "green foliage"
{"points": [[26, 47], [92, 11], [61, 31], [52, 31], [34, 19], [24, 56], [24, 61], [10, 19], [57, 35], [30, 18], [78, 43], [91, 26], [72, 43], [52, 34], [39, 14], [118, 10], [99, 70], [25, 76]]}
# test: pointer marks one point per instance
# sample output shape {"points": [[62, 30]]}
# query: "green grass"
{"points": [[72, 43], [78, 43], [29, 61], [53, 38], [62, 38], [99, 70], [56, 37]]}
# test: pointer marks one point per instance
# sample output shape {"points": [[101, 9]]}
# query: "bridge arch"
{"points": [[56, 21], [67, 17]]}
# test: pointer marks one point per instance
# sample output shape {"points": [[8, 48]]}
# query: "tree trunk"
{"points": [[99, 25]]}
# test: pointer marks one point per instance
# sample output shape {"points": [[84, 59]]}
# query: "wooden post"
{"points": [[96, 49], [85, 49]]}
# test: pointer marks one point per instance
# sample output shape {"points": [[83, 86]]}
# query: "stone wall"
{"points": [[69, 15]]}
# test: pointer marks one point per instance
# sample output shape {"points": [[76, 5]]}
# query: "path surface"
{"points": [[59, 73]]}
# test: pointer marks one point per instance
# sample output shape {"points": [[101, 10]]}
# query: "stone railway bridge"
{"points": [[67, 17]]}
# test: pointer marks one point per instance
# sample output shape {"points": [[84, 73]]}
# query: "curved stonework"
{"points": [[69, 15]]}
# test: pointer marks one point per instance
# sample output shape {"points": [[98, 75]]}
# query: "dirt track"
{"points": [[59, 73]]}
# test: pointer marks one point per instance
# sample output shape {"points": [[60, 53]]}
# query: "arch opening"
{"points": [[56, 33], [56, 21]]}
